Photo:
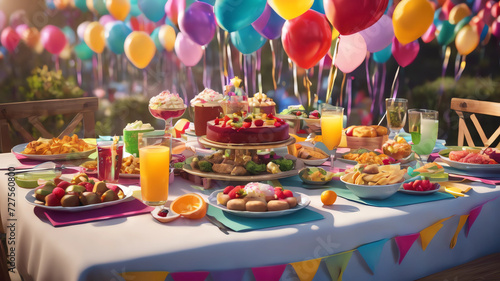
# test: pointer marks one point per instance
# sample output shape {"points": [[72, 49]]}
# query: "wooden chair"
{"points": [[10, 113], [474, 107]]}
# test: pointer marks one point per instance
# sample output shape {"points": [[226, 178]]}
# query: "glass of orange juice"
{"points": [[332, 120], [154, 154]]}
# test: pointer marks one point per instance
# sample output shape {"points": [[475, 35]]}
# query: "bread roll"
{"points": [[364, 132], [292, 201], [277, 205], [381, 130], [256, 206], [237, 204], [222, 198]]}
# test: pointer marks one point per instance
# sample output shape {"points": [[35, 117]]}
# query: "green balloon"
{"points": [[463, 22], [100, 7], [83, 51], [446, 34], [82, 5]]}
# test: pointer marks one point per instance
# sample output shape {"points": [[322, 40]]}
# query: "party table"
{"points": [[372, 243]]}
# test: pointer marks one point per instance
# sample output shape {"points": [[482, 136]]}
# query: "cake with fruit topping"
{"points": [[252, 128], [261, 103]]}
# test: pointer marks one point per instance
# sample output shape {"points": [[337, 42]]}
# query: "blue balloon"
{"points": [[156, 39], [70, 34], [134, 10], [384, 55], [211, 2], [318, 6], [154, 10], [100, 7], [83, 51], [437, 20], [484, 33], [389, 5], [115, 34], [82, 5], [3, 52], [50, 4], [234, 15], [247, 40]]}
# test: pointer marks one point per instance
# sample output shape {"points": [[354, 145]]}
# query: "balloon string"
{"points": [[144, 82], [332, 75], [461, 67], [99, 69], [56, 61], [222, 60], [382, 89], [205, 74], [258, 68], [320, 74], [254, 72], [295, 83], [79, 71], [95, 71], [245, 70], [395, 84], [273, 71], [446, 59], [229, 58], [367, 69], [279, 59], [165, 69], [341, 100], [194, 88], [348, 91], [307, 84], [375, 91]]}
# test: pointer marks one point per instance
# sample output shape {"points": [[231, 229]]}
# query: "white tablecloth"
{"points": [[101, 250]]}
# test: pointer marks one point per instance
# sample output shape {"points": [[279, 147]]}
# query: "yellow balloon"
{"points": [[118, 8], [61, 4], [66, 52], [139, 48], [167, 37], [289, 9], [466, 40], [90, 5], [94, 37], [458, 12], [411, 19]]}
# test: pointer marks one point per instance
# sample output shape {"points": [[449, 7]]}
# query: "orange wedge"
{"points": [[191, 206]]}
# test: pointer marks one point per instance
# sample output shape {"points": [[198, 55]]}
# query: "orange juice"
{"points": [[331, 130], [155, 170]]}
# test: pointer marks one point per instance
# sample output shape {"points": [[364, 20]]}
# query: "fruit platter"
{"points": [[258, 200], [419, 187], [471, 158]]}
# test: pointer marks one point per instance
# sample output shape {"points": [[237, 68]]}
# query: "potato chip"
{"points": [[57, 146]]}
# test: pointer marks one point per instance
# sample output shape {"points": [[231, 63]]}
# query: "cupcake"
{"points": [[166, 105], [261, 103], [206, 107], [131, 133]]}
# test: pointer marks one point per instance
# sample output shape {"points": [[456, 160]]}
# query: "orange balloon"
{"points": [[61, 4], [466, 40], [30, 37], [411, 19], [94, 37], [118, 8], [167, 36], [139, 48]]}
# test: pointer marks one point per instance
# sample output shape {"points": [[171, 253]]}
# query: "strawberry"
{"points": [[88, 186], [236, 119], [63, 184], [246, 125], [281, 121], [217, 121], [237, 192], [426, 185], [416, 184], [228, 188], [277, 124], [59, 192], [270, 116], [226, 118], [258, 122], [279, 193], [298, 113], [287, 193]]}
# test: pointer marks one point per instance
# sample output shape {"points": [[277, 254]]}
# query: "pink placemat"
{"points": [[125, 209]]}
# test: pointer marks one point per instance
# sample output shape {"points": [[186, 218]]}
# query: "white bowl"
{"points": [[378, 192]]}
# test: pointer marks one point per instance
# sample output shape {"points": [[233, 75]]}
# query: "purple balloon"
{"points": [[379, 35], [187, 51], [405, 54], [106, 19], [198, 23], [53, 39], [269, 24]]}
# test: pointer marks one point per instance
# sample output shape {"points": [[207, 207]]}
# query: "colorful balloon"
{"points": [[100, 7], [9, 39], [66, 52], [94, 37], [83, 51], [31, 37], [304, 47], [167, 37], [247, 40], [352, 16], [234, 15], [351, 52], [446, 33], [466, 40], [187, 51], [3, 52], [172, 10], [198, 22], [115, 34], [80, 30], [154, 10], [134, 10], [495, 28], [405, 54], [411, 19], [106, 19], [459, 12], [139, 48], [61, 4], [430, 34], [269, 24], [156, 39], [82, 5], [119, 9], [70, 34], [384, 55], [318, 6], [379, 35], [53, 39], [289, 9]]}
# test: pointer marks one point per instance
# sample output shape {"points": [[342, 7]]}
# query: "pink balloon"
{"points": [[379, 35], [9, 39], [495, 28], [106, 19], [187, 51], [430, 34], [21, 28], [405, 54], [53, 39], [351, 52]]}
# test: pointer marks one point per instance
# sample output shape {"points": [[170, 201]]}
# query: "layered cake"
{"points": [[261, 103], [206, 107], [253, 128]]}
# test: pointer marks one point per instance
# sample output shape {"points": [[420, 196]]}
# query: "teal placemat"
{"points": [[398, 199], [237, 223]]}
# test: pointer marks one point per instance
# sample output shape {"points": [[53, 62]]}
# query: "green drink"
{"points": [[423, 127], [131, 134]]}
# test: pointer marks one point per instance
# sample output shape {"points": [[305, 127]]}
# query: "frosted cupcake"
{"points": [[261, 103], [131, 133], [206, 107], [166, 106]]}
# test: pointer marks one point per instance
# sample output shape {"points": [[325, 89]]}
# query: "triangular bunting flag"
{"points": [[463, 219], [144, 275], [474, 213], [443, 220], [189, 276], [235, 274], [268, 273], [404, 244], [428, 233], [371, 253], [336, 264], [306, 269]]}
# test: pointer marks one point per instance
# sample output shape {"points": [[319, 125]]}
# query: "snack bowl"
{"points": [[378, 192]]}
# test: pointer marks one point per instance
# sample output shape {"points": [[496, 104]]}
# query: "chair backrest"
{"points": [[10, 113], [474, 107]]}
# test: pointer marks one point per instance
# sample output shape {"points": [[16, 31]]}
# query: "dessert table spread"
{"points": [[357, 240]]}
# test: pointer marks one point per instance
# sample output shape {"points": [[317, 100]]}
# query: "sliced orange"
{"points": [[328, 197], [191, 206]]}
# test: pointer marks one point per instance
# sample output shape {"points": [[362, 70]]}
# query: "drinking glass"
{"points": [[154, 152], [109, 160], [423, 126], [396, 114], [332, 120]]}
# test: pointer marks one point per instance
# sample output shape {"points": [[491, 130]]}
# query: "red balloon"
{"points": [[9, 39], [53, 39], [351, 16], [405, 54], [307, 38]]}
